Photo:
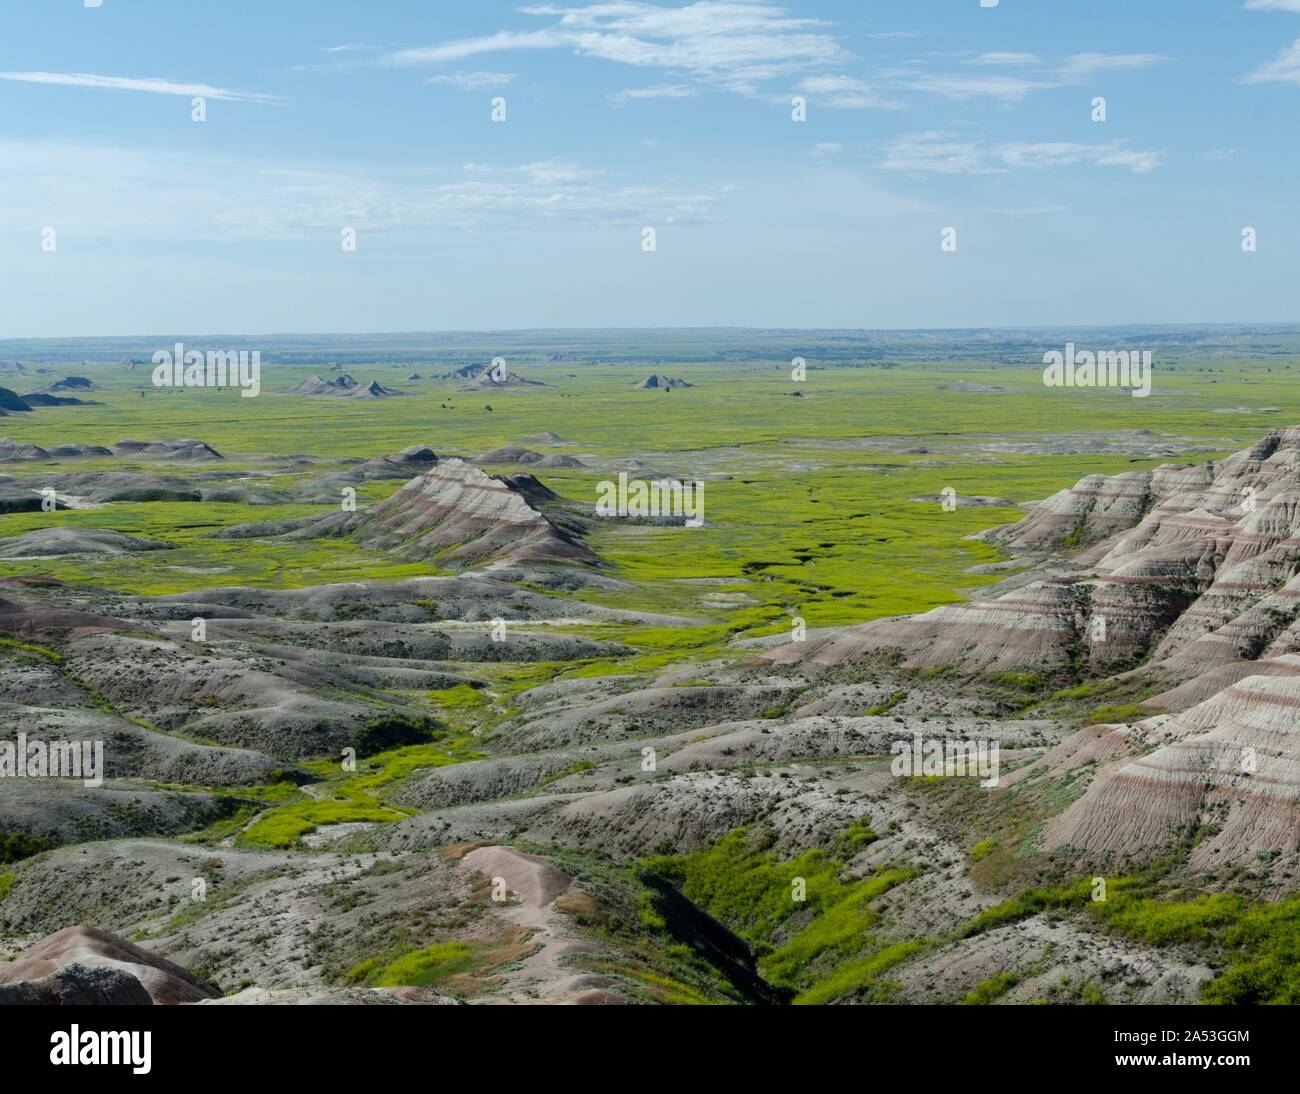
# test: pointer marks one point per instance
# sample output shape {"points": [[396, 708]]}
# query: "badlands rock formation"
{"points": [[461, 516], [85, 965], [1189, 578], [660, 382], [1190, 566]]}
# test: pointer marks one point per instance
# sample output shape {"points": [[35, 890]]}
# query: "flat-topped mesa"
{"points": [[457, 515], [1187, 568]]}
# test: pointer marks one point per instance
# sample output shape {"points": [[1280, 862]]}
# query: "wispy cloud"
{"points": [[658, 91], [1284, 69], [846, 93], [1010, 59], [128, 83], [1273, 5], [733, 45], [1009, 89], [347, 47], [933, 152], [1084, 66], [1035, 74], [474, 81], [143, 194], [826, 148]]}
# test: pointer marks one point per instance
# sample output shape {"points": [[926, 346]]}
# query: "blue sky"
{"points": [[920, 116]]}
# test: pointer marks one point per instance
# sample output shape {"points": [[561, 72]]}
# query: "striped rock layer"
{"points": [[1188, 568], [1195, 572], [1228, 767], [460, 516]]}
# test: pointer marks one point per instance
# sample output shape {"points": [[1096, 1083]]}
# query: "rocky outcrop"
{"points": [[49, 542], [316, 385], [84, 965], [11, 402], [513, 453], [660, 382], [1185, 568], [490, 379], [1227, 769], [460, 516]]}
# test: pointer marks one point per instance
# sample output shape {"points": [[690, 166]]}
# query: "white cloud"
{"points": [[474, 81], [735, 45], [1009, 89], [1064, 153], [347, 47], [936, 153], [826, 148], [1033, 211], [931, 152], [1010, 59], [1084, 66], [1220, 155], [142, 194], [1273, 5], [845, 93], [659, 91], [127, 83], [1285, 69]]}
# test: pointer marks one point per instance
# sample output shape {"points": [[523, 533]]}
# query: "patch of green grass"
{"points": [[1263, 953], [347, 796], [992, 989], [886, 706], [836, 934], [417, 969], [7, 881], [460, 697], [1160, 922], [859, 977], [30, 647], [285, 827], [800, 943], [1127, 712]]}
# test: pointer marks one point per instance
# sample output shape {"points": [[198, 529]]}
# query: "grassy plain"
{"points": [[809, 512], [807, 501]]}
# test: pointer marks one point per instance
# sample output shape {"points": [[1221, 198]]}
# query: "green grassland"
{"points": [[809, 519], [806, 515]]}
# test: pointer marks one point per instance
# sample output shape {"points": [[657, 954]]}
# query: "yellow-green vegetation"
{"points": [[7, 881], [810, 926], [1256, 946], [8, 644], [421, 967], [886, 706], [1126, 712], [347, 797], [815, 519], [987, 991]]}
